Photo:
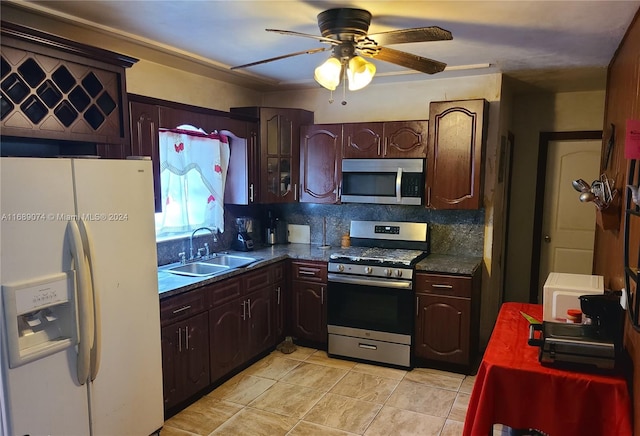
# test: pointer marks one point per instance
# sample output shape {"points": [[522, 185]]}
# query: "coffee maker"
{"points": [[243, 240]]}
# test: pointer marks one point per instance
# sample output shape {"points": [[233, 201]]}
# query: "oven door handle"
{"points": [[366, 281]]}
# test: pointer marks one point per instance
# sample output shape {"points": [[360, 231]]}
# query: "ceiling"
{"points": [[557, 45]]}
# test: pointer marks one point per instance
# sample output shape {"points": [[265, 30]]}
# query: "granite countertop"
{"points": [[172, 284], [449, 264]]}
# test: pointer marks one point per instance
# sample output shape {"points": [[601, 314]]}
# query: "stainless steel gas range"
{"points": [[370, 297]]}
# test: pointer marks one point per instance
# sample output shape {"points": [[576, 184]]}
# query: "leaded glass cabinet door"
{"points": [[279, 158]]}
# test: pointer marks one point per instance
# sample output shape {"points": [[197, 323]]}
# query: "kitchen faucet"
{"points": [[213, 233]]}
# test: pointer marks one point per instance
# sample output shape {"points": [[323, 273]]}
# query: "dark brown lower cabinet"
{"points": [[309, 308], [245, 326], [447, 318], [185, 358], [227, 328], [442, 331]]}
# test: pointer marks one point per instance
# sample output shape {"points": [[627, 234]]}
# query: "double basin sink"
{"points": [[219, 264]]}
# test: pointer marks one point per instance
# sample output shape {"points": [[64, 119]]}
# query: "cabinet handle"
{"points": [[249, 306], [417, 307], [306, 273], [244, 310], [180, 339], [186, 337], [441, 286], [322, 295], [251, 193], [278, 295], [429, 196], [295, 191], [182, 309], [384, 149]]}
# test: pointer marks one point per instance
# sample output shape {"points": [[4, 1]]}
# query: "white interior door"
{"points": [[568, 226]]}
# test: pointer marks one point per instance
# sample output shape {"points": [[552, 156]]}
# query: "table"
{"points": [[512, 388]]}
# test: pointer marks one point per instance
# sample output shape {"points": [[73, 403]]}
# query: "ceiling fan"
{"points": [[345, 31]]}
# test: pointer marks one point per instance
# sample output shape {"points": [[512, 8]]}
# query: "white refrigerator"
{"points": [[80, 322]]}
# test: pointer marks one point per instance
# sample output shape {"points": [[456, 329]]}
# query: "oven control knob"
{"points": [[398, 273], [368, 270], [341, 268], [387, 272]]}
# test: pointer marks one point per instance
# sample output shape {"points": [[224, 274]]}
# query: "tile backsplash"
{"points": [[452, 232]]}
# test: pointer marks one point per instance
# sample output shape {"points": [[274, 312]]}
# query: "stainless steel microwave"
{"points": [[383, 181]]}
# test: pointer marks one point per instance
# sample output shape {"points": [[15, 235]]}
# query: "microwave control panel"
{"points": [[411, 185]]}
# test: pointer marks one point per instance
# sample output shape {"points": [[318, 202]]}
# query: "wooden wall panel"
{"points": [[623, 103]]}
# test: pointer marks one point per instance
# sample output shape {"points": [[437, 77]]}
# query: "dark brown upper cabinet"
{"points": [[149, 114], [279, 151], [392, 139], [320, 171], [457, 135], [54, 88]]}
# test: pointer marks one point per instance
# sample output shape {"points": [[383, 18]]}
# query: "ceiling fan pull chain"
{"points": [[344, 84]]}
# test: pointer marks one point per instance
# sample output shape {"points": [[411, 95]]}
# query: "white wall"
{"points": [[380, 102], [159, 81], [532, 114]]}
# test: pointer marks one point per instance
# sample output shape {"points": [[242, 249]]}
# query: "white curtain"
{"points": [[193, 171]]}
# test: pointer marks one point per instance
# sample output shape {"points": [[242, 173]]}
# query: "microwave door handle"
{"points": [[398, 185]]}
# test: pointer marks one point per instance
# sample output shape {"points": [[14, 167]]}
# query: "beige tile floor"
{"points": [[308, 393]]}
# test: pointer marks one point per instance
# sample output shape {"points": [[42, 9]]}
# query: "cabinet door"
{"points": [[144, 140], [261, 322], [185, 359], [457, 132], [171, 383], [309, 311], [405, 139], [227, 333], [442, 328], [320, 151], [195, 362], [362, 140], [276, 149]]}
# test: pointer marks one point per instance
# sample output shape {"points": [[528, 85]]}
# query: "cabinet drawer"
{"points": [[224, 291], [257, 280], [309, 271], [181, 306], [444, 285]]}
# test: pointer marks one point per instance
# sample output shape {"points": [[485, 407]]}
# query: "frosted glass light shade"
{"points": [[359, 73], [328, 74]]}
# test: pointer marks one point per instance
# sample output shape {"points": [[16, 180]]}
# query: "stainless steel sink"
{"points": [[230, 260], [199, 269], [210, 267]]}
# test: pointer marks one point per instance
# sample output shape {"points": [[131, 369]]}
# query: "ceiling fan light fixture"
{"points": [[360, 73], [328, 74]]}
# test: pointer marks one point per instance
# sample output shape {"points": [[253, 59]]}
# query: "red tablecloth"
{"points": [[514, 389]]}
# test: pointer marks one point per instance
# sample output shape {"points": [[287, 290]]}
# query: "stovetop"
{"points": [[378, 255]]}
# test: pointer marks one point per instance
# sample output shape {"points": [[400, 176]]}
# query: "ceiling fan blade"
{"points": [[418, 34], [408, 60], [305, 35], [277, 58]]}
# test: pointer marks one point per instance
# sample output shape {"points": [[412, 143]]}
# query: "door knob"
{"points": [[547, 238]]}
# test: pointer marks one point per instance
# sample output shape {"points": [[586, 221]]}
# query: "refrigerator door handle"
{"points": [[85, 305], [96, 349]]}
